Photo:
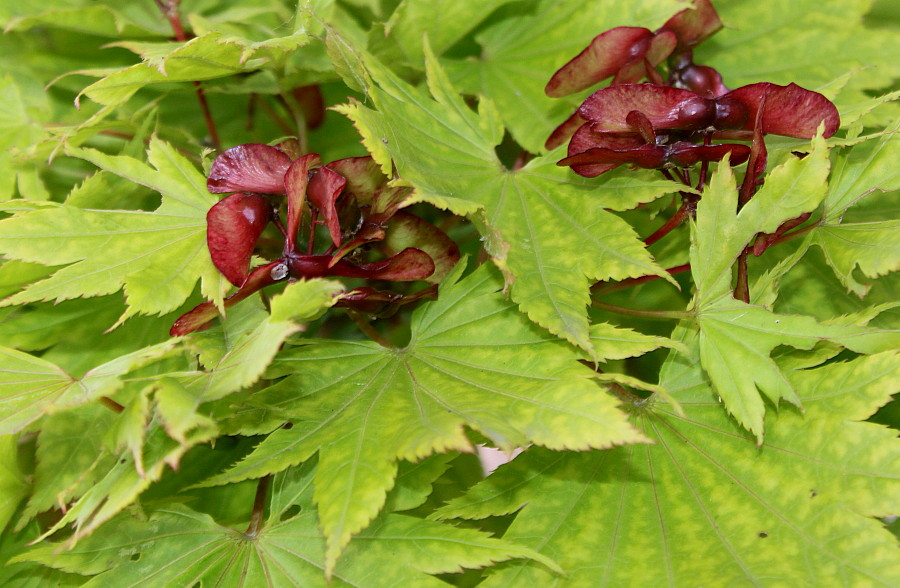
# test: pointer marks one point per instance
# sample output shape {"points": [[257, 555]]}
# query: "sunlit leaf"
{"points": [[158, 256], [31, 386], [704, 503], [446, 151], [364, 406]]}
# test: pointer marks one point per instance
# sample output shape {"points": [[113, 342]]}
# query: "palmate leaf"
{"points": [[31, 386], [96, 18], [24, 107], [13, 485], [520, 54], [804, 32], [444, 24], [209, 56], [157, 255], [132, 473], [556, 236], [736, 339], [67, 463], [860, 173], [181, 547], [704, 505], [236, 358], [473, 360]]}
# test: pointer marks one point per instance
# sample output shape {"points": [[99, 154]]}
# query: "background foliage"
{"points": [[659, 448]]}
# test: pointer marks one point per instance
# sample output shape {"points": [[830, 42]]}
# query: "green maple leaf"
{"points": [[861, 172], [145, 445], [157, 255], [804, 33], [736, 339], [548, 229], [209, 56], [135, 469], [443, 23], [703, 503], [20, 128], [521, 53], [94, 19], [473, 360], [31, 386], [67, 465], [178, 546], [236, 358], [13, 485]]}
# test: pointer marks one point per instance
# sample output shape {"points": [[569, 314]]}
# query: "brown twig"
{"points": [[259, 507], [111, 404]]}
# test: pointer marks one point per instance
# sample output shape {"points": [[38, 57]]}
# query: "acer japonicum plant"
{"points": [[675, 120], [349, 197], [277, 278]]}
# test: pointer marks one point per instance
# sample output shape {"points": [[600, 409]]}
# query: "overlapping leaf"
{"points": [[736, 339], [179, 546], [95, 19], [131, 474], [443, 23], [704, 504], [158, 256], [559, 237], [520, 54], [473, 361], [31, 386], [804, 33], [13, 485], [67, 456], [212, 55], [874, 246], [237, 358]]}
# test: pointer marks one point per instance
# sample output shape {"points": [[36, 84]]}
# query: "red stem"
{"points": [[170, 11], [742, 288], [687, 210], [604, 288], [259, 507]]}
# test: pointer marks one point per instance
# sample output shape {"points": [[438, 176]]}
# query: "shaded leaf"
{"points": [[13, 486], [242, 360], [179, 546], [206, 57], [67, 456]]}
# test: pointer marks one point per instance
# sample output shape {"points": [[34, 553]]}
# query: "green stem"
{"points": [[369, 330]]}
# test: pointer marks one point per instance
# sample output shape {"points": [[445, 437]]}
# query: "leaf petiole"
{"points": [[655, 314]]}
